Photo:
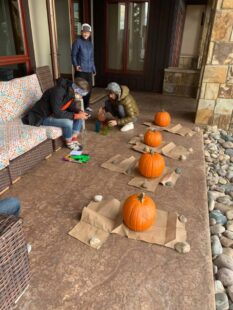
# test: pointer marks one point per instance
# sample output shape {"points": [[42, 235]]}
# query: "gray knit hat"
{"points": [[115, 88]]}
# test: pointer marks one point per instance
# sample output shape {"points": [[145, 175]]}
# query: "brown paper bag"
{"points": [[100, 219], [168, 149], [168, 177], [176, 129], [119, 164]]}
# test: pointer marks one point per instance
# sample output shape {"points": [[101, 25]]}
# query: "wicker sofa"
{"points": [[23, 146]]}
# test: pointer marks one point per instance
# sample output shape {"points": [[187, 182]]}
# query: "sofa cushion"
{"points": [[21, 138], [4, 161], [53, 132], [17, 96]]}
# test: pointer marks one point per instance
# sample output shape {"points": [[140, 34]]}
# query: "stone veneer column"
{"points": [[215, 102]]}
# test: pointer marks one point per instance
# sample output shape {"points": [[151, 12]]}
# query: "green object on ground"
{"points": [[84, 158], [105, 130]]}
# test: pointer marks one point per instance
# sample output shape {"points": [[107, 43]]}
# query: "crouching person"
{"points": [[55, 108], [121, 105]]}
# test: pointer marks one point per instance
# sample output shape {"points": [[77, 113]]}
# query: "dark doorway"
{"points": [[133, 42]]}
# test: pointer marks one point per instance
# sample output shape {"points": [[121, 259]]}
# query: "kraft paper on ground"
{"points": [[168, 149], [173, 128], [100, 219], [129, 166]]}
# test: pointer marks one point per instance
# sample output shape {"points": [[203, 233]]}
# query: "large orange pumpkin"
{"points": [[152, 138], [139, 212], [162, 119], [151, 165]]}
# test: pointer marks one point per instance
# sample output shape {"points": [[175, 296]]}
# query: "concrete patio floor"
{"points": [[123, 274]]}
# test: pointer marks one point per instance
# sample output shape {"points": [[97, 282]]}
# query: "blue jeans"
{"points": [[68, 126], [10, 206], [115, 109]]}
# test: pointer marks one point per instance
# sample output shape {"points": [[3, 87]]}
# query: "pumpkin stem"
{"points": [[141, 197], [151, 152]]}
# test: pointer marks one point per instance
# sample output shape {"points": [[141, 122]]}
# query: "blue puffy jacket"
{"points": [[82, 55]]}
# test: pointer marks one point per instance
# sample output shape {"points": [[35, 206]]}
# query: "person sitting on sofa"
{"points": [[10, 206], [57, 108], [121, 105]]}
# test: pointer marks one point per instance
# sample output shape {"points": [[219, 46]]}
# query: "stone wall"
{"points": [[215, 102], [180, 82]]}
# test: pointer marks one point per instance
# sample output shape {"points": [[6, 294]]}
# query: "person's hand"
{"points": [[77, 96], [112, 123], [78, 68], [81, 115]]}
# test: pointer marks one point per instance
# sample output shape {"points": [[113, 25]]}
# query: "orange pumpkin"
{"points": [[102, 117], [152, 138], [162, 119], [151, 165], [139, 212]]}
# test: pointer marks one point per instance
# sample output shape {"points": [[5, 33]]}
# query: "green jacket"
{"points": [[130, 105]]}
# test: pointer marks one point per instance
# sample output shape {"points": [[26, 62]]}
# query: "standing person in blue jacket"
{"points": [[82, 56]]}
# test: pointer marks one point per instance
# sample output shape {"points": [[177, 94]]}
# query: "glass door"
{"points": [[126, 35]]}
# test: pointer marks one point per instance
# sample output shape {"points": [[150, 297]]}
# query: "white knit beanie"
{"points": [[115, 88]]}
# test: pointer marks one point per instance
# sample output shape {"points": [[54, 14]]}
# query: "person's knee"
{"points": [[67, 123], [121, 111], [10, 206]]}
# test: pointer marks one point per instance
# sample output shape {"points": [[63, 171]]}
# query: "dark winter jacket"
{"points": [[82, 55], [51, 104]]}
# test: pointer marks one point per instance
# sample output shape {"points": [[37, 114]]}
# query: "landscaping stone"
{"points": [[230, 225], [228, 145], [221, 207], [229, 291], [178, 170], [225, 275], [228, 252], [224, 261], [229, 214], [228, 234], [182, 247], [224, 200], [183, 219], [221, 301], [98, 198], [217, 229], [219, 288], [216, 246], [218, 216], [218, 151], [222, 181], [212, 222], [211, 204], [226, 242], [215, 195]]}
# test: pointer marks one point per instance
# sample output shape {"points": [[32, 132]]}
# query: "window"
{"points": [[76, 17], [14, 59], [127, 26]]}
